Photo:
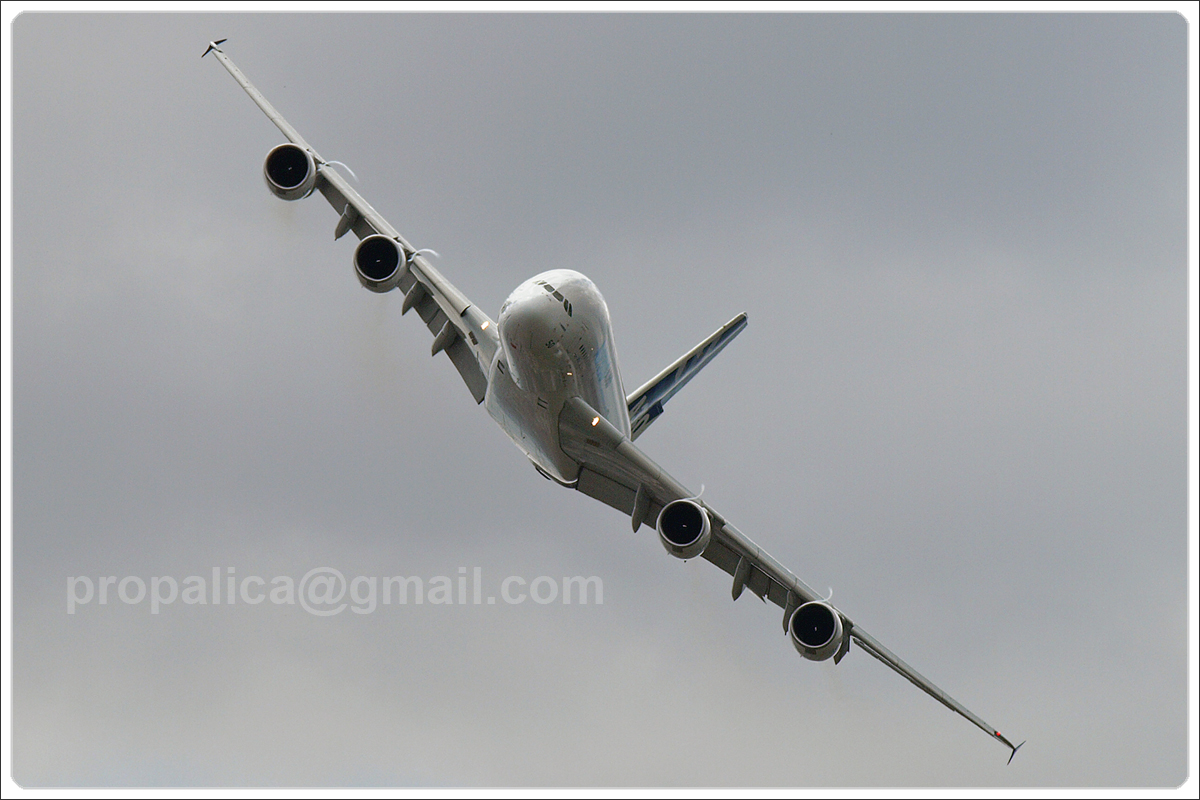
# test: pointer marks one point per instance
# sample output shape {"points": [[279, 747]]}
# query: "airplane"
{"points": [[547, 373]]}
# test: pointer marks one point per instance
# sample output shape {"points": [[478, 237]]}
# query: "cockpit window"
{"points": [[557, 296]]}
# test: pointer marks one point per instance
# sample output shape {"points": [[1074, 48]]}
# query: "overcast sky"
{"points": [[960, 401]]}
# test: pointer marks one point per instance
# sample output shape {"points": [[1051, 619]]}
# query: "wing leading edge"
{"points": [[466, 334], [619, 474]]}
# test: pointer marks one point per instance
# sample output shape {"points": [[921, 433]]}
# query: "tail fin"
{"points": [[646, 404]]}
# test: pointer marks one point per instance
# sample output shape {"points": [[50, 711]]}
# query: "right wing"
{"points": [[466, 334], [614, 471]]}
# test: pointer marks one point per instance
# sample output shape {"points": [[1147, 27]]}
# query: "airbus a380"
{"points": [[547, 372]]}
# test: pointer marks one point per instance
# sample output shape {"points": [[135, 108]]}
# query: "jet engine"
{"points": [[378, 263], [290, 172], [684, 529], [816, 630]]}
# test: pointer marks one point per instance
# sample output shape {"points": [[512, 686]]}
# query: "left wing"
{"points": [[616, 472], [466, 334]]}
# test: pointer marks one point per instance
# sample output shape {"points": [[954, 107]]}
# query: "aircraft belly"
{"points": [[531, 421]]}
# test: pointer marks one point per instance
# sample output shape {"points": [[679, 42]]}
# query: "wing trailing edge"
{"points": [[461, 330], [616, 472]]}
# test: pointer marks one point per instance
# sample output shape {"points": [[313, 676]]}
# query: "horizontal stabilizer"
{"points": [[646, 404]]}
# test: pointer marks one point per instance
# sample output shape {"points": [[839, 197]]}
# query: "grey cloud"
{"points": [[960, 401]]}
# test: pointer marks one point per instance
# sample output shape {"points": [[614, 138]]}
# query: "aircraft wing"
{"points": [[466, 334], [617, 473]]}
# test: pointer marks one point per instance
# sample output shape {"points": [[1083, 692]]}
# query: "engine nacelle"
{"points": [[684, 529], [290, 172], [816, 630], [379, 262]]}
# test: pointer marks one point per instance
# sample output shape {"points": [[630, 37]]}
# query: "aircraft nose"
{"points": [[526, 323], [529, 333]]}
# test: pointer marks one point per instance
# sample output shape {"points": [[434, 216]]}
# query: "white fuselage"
{"points": [[555, 343]]}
